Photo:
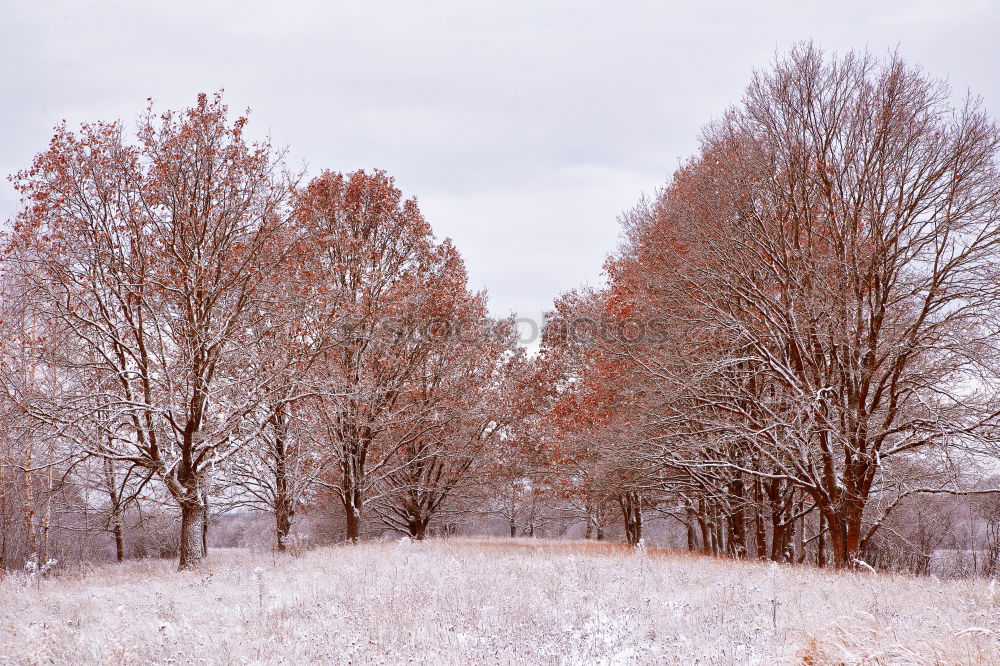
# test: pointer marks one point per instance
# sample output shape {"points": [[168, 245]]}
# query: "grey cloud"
{"points": [[524, 128]]}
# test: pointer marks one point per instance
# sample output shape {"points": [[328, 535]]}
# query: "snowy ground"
{"points": [[491, 602]]}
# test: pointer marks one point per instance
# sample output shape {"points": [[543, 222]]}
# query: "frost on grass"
{"points": [[487, 602]]}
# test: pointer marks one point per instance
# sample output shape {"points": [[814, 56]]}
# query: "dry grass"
{"points": [[486, 602]]}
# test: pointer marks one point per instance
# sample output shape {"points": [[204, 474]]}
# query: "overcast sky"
{"points": [[523, 128]]}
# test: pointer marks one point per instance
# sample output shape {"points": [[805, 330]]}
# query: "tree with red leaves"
{"points": [[457, 412], [600, 402], [824, 271], [143, 262], [397, 292]]}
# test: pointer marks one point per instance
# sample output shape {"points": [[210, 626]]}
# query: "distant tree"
{"points": [[393, 286], [457, 397], [280, 472], [599, 417]]}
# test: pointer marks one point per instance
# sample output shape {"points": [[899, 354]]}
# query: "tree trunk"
{"points": [[773, 489], [352, 515], [842, 557], [352, 469], [116, 529], [283, 511], [29, 504], [720, 536], [631, 506], [204, 522], [3, 519], [788, 549], [116, 509], [760, 532], [417, 527], [845, 523], [282, 524], [706, 533], [853, 529], [800, 535], [821, 542], [737, 520], [692, 536], [47, 516], [192, 534]]}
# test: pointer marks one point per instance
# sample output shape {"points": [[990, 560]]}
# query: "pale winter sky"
{"points": [[524, 128]]}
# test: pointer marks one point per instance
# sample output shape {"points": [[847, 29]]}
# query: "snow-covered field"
{"points": [[491, 602]]}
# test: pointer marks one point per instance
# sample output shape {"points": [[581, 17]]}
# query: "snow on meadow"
{"points": [[491, 602]]}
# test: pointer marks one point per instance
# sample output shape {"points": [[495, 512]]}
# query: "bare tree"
{"points": [[459, 392]]}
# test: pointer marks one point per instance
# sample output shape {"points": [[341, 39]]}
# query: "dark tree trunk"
{"points": [[838, 543], [192, 535], [116, 509], [631, 506], [800, 534], [760, 532], [282, 523], [417, 527], [821, 542], [771, 487], [283, 511], [204, 523], [853, 529], [737, 519], [352, 468], [844, 538]]}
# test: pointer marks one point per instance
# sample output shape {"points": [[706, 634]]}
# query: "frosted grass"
{"points": [[491, 602]]}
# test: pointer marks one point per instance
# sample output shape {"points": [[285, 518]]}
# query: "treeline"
{"points": [[796, 350], [188, 323], [794, 356]]}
